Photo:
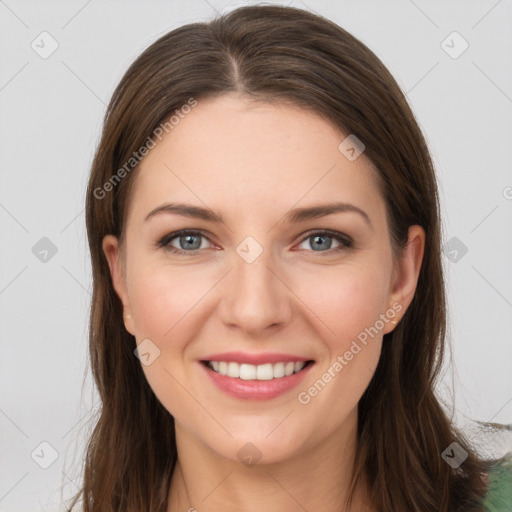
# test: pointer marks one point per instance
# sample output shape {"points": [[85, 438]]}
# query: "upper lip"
{"points": [[255, 359]]}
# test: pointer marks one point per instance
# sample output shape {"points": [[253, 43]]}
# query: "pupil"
{"points": [[188, 240], [319, 237]]}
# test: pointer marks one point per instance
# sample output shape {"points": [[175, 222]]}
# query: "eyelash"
{"points": [[346, 242]]}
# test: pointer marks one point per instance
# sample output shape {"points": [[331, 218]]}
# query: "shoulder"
{"points": [[498, 497]]}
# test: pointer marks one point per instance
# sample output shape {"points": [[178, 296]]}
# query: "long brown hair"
{"points": [[277, 54]]}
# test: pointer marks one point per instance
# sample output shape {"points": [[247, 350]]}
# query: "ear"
{"points": [[110, 245], [406, 273]]}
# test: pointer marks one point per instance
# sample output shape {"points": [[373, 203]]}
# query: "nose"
{"points": [[255, 297]]}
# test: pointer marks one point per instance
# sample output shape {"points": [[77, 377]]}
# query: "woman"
{"points": [[244, 362]]}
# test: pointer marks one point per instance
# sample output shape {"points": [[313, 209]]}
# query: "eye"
{"points": [[320, 240], [186, 239], [189, 241]]}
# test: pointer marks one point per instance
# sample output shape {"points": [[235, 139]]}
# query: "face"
{"points": [[266, 284]]}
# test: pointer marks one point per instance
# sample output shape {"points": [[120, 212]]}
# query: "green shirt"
{"points": [[498, 497]]}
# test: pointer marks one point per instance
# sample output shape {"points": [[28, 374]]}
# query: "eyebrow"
{"points": [[293, 216]]}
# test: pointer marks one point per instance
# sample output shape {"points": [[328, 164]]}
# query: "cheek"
{"points": [[162, 298], [164, 301], [345, 300], [348, 303]]}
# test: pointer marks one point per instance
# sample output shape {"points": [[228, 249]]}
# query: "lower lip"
{"points": [[256, 389]]}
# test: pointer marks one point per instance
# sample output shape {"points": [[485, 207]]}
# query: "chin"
{"points": [[265, 445]]}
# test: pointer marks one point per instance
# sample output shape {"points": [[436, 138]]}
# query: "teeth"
{"points": [[247, 371], [233, 370], [289, 368], [299, 366], [266, 371], [278, 370]]}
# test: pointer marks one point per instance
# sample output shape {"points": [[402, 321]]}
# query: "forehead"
{"points": [[252, 158]]}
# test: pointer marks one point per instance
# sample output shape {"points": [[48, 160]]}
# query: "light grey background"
{"points": [[51, 113]]}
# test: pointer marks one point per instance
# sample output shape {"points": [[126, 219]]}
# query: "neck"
{"points": [[317, 478]]}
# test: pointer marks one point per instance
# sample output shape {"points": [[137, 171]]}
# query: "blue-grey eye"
{"points": [[322, 241], [188, 241]]}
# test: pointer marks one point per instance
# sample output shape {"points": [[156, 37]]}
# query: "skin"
{"points": [[252, 163]]}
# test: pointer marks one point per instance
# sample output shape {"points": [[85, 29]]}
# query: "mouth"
{"points": [[262, 372], [243, 380]]}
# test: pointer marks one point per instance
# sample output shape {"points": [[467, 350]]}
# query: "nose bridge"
{"points": [[256, 298]]}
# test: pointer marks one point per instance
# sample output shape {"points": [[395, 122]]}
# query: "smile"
{"points": [[255, 377], [266, 371]]}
